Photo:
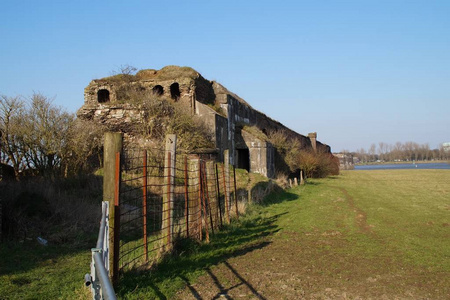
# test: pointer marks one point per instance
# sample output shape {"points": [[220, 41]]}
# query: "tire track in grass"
{"points": [[361, 215]]}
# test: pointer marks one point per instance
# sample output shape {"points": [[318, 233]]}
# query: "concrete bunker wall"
{"points": [[104, 92], [223, 112], [246, 115], [217, 123], [261, 155]]}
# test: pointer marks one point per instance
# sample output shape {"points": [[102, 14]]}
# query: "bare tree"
{"points": [[372, 152], [13, 148], [84, 148], [361, 153], [382, 150], [46, 135], [33, 136]]}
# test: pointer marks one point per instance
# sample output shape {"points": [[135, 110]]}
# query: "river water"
{"points": [[404, 166]]}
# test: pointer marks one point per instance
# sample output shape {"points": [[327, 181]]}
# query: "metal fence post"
{"points": [[219, 206], [208, 171], [199, 203], [227, 207], [144, 204], [204, 198], [235, 193]]}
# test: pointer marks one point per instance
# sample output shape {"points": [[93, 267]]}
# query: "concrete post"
{"points": [[168, 190], [214, 201], [112, 146], [313, 138], [194, 185]]}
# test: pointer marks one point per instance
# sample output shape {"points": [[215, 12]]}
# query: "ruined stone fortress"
{"points": [[230, 117]]}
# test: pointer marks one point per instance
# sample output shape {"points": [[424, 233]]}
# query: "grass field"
{"points": [[366, 234], [32, 271], [363, 234]]}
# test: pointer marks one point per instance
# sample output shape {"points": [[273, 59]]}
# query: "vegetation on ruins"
{"points": [[127, 73], [291, 157], [159, 116]]}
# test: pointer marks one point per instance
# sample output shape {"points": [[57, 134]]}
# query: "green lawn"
{"points": [[32, 271], [406, 212]]}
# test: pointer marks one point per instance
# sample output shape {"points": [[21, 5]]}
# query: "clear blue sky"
{"points": [[357, 72]]}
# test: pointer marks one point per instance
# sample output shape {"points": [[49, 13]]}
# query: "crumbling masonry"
{"points": [[236, 125]]}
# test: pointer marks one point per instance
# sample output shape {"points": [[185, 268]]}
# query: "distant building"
{"points": [[346, 161], [446, 147]]}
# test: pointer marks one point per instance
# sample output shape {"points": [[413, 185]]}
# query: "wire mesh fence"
{"points": [[164, 195]]}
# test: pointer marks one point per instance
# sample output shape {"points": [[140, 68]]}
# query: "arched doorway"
{"points": [[175, 91], [103, 96]]}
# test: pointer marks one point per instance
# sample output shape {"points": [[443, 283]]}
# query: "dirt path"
{"points": [[360, 215], [291, 265]]}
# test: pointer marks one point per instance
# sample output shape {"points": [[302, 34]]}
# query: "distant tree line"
{"points": [[408, 151]]}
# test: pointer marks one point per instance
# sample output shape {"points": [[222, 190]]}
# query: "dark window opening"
{"points": [[158, 90], [243, 159], [175, 91], [103, 96]]}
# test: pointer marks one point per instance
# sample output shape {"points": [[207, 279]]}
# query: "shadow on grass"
{"points": [[279, 196], [191, 258], [16, 258], [32, 271], [64, 211]]}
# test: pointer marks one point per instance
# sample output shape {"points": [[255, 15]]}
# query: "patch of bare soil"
{"points": [[316, 265]]}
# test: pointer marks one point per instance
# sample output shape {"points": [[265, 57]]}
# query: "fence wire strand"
{"points": [[154, 213]]}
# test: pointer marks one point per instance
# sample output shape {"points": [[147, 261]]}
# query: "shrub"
{"points": [[287, 150], [317, 165], [161, 116]]}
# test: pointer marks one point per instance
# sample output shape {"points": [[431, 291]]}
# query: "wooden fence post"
{"points": [[168, 191], [112, 146]]}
